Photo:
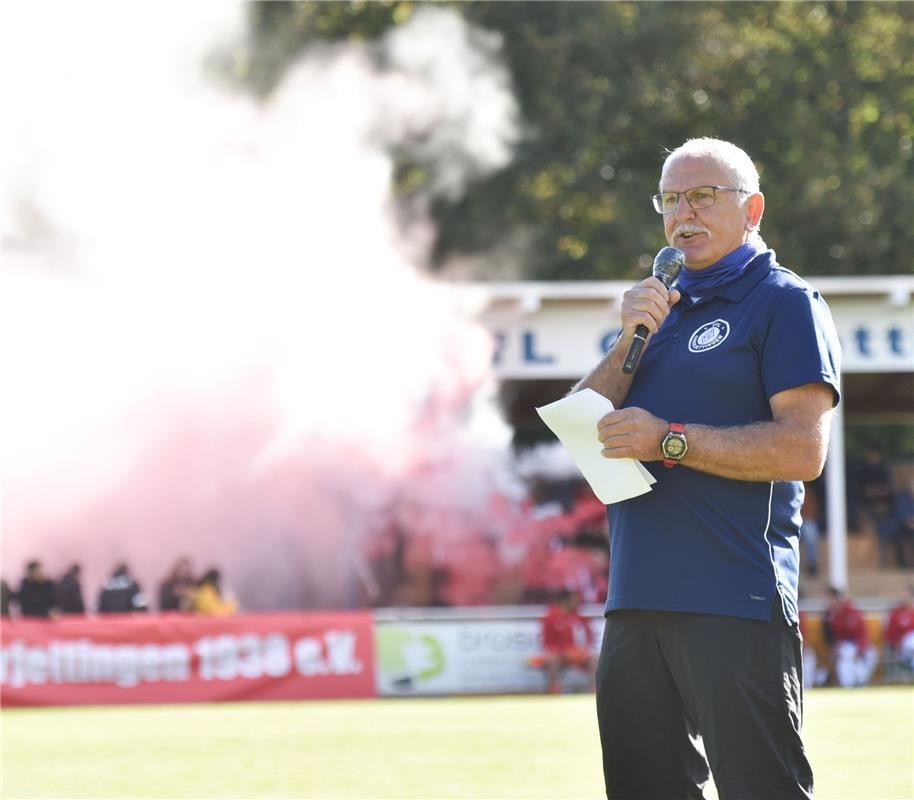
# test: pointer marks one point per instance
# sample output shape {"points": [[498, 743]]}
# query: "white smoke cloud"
{"points": [[548, 460], [223, 341], [461, 116]]}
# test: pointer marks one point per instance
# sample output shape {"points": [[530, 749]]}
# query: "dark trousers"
{"points": [[677, 693]]}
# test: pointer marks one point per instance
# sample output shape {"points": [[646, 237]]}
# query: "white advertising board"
{"points": [[460, 656]]}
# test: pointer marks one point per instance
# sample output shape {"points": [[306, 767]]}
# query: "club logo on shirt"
{"points": [[709, 336]]}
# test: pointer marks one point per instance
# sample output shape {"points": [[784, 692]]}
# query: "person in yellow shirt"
{"points": [[208, 598]]}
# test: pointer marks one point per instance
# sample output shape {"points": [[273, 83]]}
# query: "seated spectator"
{"points": [[875, 484], [810, 531], [121, 594], [208, 598], [36, 595], [176, 592], [567, 640], [899, 630], [6, 596], [888, 541], [903, 512], [70, 592], [853, 656]]}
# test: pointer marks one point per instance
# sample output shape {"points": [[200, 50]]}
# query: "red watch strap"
{"points": [[675, 427]]}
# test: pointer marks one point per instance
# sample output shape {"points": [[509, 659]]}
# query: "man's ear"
{"points": [[755, 208]]}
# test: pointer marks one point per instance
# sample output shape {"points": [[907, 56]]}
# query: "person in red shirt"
{"points": [[899, 629], [567, 640], [853, 656]]}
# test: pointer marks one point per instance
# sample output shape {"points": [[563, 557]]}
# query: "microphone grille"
{"points": [[668, 263]]}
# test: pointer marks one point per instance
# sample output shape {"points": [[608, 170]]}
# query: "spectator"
{"points": [[810, 532], [874, 484], [176, 592], [36, 593], [121, 594], [903, 513], [567, 640], [853, 656], [6, 595], [888, 540], [70, 592], [899, 630], [852, 496], [208, 598]]}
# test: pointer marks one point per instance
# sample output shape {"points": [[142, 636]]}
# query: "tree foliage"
{"points": [[820, 94]]}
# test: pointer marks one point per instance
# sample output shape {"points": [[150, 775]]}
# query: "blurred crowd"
{"points": [[877, 503], [555, 552], [525, 552], [39, 596], [515, 551], [847, 650], [880, 508], [555, 540]]}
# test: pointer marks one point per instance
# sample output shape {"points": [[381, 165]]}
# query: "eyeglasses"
{"points": [[699, 197]]}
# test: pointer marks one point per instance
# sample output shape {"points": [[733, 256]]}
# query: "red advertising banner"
{"points": [[175, 658]]}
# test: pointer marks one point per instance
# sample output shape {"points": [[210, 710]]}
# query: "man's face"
{"points": [[706, 235]]}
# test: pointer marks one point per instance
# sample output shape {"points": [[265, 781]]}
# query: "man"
{"points": [[875, 484], [6, 596], [70, 592], [121, 594], [36, 594], [899, 630], [844, 626], [176, 592], [903, 516], [810, 530], [567, 640], [729, 409]]}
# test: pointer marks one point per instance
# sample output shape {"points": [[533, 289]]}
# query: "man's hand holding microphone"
{"points": [[634, 432]]}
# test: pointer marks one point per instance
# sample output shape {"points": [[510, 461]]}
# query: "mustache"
{"points": [[687, 228]]}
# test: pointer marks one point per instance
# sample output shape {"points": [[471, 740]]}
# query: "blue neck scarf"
{"points": [[698, 282]]}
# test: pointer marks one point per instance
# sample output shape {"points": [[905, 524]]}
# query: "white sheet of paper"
{"points": [[574, 420]]}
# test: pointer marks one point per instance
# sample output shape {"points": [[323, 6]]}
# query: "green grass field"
{"points": [[861, 743]]}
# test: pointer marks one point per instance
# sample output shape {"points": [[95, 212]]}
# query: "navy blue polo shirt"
{"points": [[697, 542]]}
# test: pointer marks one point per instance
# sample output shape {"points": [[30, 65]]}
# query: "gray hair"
{"points": [[733, 159]]}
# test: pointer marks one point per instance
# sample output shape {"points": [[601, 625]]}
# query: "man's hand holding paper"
{"points": [[631, 433], [574, 420]]}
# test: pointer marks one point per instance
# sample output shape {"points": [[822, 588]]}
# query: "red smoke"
{"points": [[222, 345]]}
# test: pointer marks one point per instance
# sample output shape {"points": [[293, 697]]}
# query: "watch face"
{"points": [[673, 447]]}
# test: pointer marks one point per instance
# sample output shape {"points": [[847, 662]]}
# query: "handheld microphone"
{"points": [[668, 264]]}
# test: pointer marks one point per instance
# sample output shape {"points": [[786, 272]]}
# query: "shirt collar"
{"points": [[737, 289]]}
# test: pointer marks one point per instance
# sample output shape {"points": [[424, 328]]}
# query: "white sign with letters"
{"points": [[564, 338], [461, 656]]}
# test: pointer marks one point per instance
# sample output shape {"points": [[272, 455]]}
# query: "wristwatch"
{"points": [[674, 445]]}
